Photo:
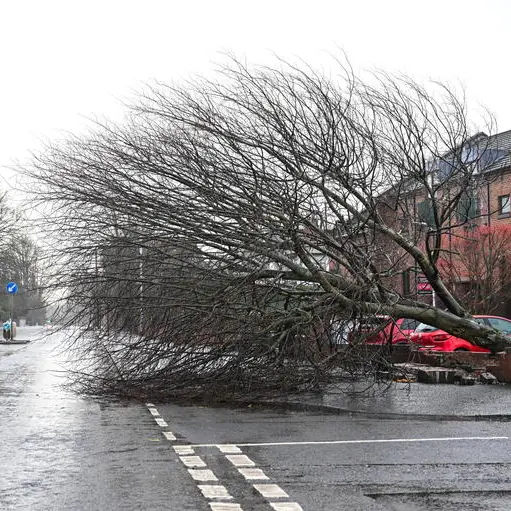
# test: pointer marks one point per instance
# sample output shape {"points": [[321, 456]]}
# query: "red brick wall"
{"points": [[500, 185]]}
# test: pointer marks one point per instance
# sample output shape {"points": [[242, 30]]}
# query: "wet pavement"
{"points": [[411, 400], [59, 451]]}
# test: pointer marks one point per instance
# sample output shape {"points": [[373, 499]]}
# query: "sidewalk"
{"points": [[24, 335], [409, 401]]}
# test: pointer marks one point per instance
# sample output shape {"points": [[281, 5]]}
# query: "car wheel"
{"points": [[461, 349]]}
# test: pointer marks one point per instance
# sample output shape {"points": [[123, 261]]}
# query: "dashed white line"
{"points": [[271, 491], [202, 475], [193, 461], [252, 473], [225, 506], [214, 491], [161, 422], [286, 506], [229, 449], [240, 460], [183, 450]]}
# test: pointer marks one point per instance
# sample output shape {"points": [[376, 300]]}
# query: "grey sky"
{"points": [[63, 61]]}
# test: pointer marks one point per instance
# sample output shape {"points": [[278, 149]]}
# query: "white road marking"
{"points": [[150, 405], [229, 449], [154, 412], [224, 506], [193, 461], [286, 506], [240, 460], [214, 491], [161, 422], [252, 473], [271, 491], [169, 436], [183, 450], [373, 441], [202, 475]]}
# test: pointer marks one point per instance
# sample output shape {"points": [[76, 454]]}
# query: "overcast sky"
{"points": [[63, 61]]}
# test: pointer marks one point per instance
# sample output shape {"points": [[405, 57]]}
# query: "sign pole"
{"points": [[12, 289], [11, 335]]}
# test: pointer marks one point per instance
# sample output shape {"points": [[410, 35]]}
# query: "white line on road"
{"points": [[240, 460], [229, 449], [161, 422], [271, 491], [286, 506], [169, 435], [214, 491], [193, 461], [225, 506], [202, 475], [154, 412], [252, 473], [180, 449], [373, 441], [149, 405]]}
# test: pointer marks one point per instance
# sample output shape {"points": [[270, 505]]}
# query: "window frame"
{"points": [[504, 205]]}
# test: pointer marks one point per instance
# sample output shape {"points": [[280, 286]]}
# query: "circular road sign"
{"points": [[12, 288]]}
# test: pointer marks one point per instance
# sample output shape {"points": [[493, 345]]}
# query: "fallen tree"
{"points": [[208, 243]]}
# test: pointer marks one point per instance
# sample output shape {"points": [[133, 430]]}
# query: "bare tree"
{"points": [[210, 240], [477, 266], [19, 262]]}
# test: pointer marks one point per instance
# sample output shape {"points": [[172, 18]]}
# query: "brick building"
{"points": [[475, 233]]}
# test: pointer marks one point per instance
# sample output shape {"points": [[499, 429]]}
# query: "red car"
{"points": [[396, 331], [432, 338]]}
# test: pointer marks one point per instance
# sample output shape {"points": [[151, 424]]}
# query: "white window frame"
{"points": [[504, 204]]}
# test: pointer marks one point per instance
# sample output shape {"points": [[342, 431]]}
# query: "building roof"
{"points": [[501, 144]]}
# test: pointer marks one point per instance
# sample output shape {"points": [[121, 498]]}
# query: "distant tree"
{"points": [[478, 267], [244, 215], [21, 263]]}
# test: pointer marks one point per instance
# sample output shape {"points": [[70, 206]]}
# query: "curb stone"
{"points": [[333, 410]]}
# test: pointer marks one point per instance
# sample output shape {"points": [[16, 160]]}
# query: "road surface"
{"points": [[60, 451]]}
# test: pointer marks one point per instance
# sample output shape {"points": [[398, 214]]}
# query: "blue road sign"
{"points": [[7, 325], [12, 288]]}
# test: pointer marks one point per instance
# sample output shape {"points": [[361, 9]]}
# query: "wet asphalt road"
{"points": [[59, 451]]}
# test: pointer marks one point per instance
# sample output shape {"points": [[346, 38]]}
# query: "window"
{"points": [[504, 205], [425, 212], [423, 327], [469, 207], [500, 324], [409, 324]]}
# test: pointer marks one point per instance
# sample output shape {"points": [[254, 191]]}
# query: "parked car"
{"points": [[395, 331], [435, 339], [380, 329], [365, 328]]}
